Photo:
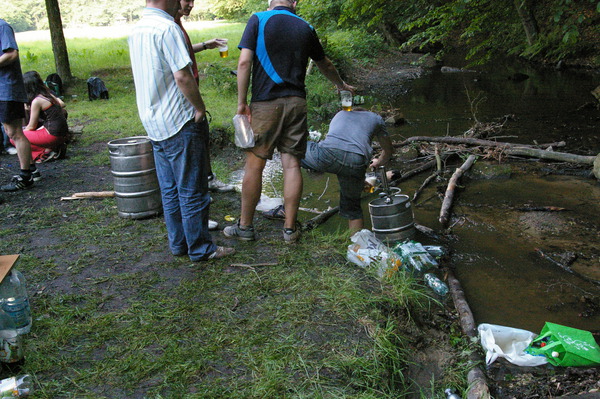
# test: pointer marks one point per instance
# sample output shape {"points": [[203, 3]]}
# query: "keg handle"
{"points": [[384, 183]]}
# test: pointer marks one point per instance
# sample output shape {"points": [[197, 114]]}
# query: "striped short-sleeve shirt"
{"points": [[157, 50]]}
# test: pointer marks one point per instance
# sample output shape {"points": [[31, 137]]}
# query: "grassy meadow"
{"points": [[116, 316]]}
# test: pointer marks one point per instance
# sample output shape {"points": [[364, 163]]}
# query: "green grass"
{"points": [[116, 316]]}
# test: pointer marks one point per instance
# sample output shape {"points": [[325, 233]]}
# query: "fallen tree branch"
{"points": [[447, 203], [90, 194], [566, 266], [475, 141], [320, 219], [478, 388], [551, 155], [252, 265], [420, 169], [425, 183]]}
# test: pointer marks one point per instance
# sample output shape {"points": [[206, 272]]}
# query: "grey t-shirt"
{"points": [[11, 77], [353, 131]]}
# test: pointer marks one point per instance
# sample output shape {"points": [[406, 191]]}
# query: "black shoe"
{"points": [[36, 175], [18, 183]]}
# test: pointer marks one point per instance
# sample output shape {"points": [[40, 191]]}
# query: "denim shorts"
{"points": [[279, 123], [11, 111], [350, 170]]}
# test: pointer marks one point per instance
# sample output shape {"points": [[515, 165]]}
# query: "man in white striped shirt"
{"points": [[174, 116]]}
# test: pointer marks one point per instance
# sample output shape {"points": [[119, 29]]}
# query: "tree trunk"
{"points": [[59, 45], [527, 19]]}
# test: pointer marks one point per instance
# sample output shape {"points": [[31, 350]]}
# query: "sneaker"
{"points": [[275, 213], [291, 236], [212, 225], [236, 231], [47, 157], [11, 150], [218, 186], [17, 183], [36, 175], [221, 252]]}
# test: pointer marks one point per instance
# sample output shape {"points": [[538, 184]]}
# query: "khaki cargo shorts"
{"points": [[281, 124]]}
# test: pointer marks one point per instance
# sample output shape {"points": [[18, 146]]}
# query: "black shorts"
{"points": [[11, 111]]}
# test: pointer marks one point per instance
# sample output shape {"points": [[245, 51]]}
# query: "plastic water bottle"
{"points": [[415, 257], [16, 387], [437, 285], [14, 300], [11, 346], [450, 394]]}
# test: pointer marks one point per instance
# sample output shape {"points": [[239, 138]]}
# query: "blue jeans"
{"points": [[350, 170], [182, 176]]}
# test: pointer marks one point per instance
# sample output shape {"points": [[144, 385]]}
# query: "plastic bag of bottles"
{"points": [[367, 249], [16, 387]]}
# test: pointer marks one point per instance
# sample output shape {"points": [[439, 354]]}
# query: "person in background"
{"points": [[7, 146], [12, 109], [49, 140], [275, 48], [186, 8], [174, 116], [346, 152]]}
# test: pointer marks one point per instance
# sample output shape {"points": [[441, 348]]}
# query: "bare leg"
{"points": [[251, 187], [355, 225], [292, 188], [14, 131]]}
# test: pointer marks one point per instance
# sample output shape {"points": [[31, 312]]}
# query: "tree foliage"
{"points": [[483, 29]]}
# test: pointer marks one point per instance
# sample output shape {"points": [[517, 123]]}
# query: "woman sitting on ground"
{"points": [[48, 141]]}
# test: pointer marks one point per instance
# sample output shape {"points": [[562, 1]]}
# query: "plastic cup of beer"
{"points": [[346, 98], [224, 50]]}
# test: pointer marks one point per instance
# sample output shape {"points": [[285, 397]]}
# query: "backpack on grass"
{"points": [[96, 89], [55, 84]]}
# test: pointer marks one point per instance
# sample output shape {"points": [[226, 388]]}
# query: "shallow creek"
{"points": [[494, 245]]}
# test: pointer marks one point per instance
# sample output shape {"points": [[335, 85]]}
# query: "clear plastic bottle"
{"points": [[450, 394], [415, 257], [14, 300], [11, 346], [16, 387], [437, 285]]}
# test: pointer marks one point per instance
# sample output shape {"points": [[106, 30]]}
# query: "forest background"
{"points": [[544, 31]]}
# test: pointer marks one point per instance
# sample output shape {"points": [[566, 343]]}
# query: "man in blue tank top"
{"points": [[275, 49]]}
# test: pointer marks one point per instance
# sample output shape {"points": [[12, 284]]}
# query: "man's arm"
{"points": [[187, 84], [387, 149], [8, 57], [212, 43], [329, 70], [243, 80]]}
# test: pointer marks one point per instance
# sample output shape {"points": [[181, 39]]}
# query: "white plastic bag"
{"points": [[509, 343], [368, 249]]}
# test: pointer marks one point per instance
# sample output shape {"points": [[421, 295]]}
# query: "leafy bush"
{"points": [[353, 44]]}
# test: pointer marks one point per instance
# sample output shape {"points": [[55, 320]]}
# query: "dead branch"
{"points": [[426, 166], [566, 266], [90, 194], [320, 219], [425, 183], [473, 141], [447, 203], [252, 265], [540, 209], [478, 386], [551, 155]]}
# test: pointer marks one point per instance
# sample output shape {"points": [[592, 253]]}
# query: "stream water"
{"points": [[494, 254]]}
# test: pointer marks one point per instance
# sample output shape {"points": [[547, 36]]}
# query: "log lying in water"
{"points": [[475, 141], [447, 203], [523, 150]]}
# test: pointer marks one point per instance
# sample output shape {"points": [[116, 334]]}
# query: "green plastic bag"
{"points": [[566, 346]]}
